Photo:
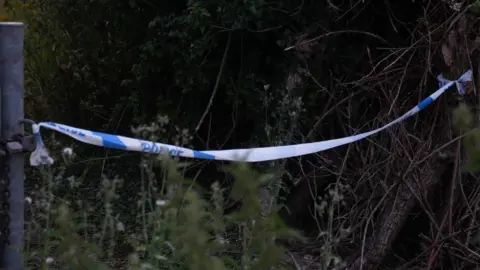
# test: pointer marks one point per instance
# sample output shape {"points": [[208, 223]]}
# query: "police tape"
{"points": [[41, 156]]}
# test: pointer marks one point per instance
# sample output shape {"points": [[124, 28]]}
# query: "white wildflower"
{"points": [[160, 257], [28, 200], [221, 240], [67, 151], [120, 226], [160, 202], [49, 260], [146, 266]]}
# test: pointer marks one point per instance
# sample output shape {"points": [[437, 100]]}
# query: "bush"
{"points": [[172, 226], [234, 74]]}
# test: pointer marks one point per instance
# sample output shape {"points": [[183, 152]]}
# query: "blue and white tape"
{"points": [[41, 156]]}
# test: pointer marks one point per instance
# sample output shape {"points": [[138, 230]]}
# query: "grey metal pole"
{"points": [[11, 105]]}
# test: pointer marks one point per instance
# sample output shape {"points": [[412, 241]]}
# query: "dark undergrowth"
{"points": [[212, 74]]}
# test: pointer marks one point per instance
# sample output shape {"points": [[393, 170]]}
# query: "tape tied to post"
{"points": [[41, 156]]}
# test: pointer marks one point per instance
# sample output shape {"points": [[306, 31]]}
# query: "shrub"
{"points": [[173, 227]]}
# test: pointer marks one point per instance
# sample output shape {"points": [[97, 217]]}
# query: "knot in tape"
{"points": [[40, 155], [460, 83]]}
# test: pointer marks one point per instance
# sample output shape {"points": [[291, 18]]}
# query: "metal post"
{"points": [[11, 112]]}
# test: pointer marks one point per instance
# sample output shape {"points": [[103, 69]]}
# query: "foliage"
{"points": [[176, 230], [262, 73], [463, 121]]}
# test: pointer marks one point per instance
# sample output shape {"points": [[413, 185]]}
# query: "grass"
{"points": [[3, 11], [173, 229], [78, 222], [9, 14], [77, 219]]}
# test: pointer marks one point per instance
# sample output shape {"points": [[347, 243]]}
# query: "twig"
{"points": [[316, 126], [414, 165], [334, 33], [215, 88], [297, 265], [452, 187], [400, 85]]}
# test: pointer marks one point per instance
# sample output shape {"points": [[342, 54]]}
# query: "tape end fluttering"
{"points": [[40, 155]]}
